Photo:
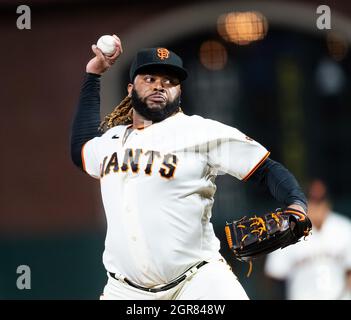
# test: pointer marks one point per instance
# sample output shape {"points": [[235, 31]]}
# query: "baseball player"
{"points": [[157, 168], [320, 267]]}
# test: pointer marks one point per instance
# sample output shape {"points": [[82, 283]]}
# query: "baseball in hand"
{"points": [[107, 44]]}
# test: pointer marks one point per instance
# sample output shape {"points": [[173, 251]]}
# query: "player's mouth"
{"points": [[157, 98]]}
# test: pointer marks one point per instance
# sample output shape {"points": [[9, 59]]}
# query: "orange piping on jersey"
{"points": [[82, 156], [256, 166]]}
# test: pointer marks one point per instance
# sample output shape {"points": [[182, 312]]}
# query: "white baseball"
{"points": [[107, 44]]}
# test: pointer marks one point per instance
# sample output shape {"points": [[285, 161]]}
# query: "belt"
{"points": [[168, 286]]}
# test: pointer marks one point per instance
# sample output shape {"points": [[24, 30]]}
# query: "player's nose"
{"points": [[158, 86]]}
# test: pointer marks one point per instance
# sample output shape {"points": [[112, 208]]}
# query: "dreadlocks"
{"points": [[122, 114]]}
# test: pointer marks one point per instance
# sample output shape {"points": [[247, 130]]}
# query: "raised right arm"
{"points": [[86, 120]]}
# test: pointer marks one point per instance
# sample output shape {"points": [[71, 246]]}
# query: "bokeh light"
{"points": [[213, 55], [242, 27], [337, 46]]}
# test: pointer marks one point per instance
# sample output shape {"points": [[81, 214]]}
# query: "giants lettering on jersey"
{"points": [[132, 159]]}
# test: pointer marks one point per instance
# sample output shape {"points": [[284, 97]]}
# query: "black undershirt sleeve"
{"points": [[280, 182], [87, 117]]}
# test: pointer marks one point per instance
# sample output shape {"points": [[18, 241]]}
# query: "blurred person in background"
{"points": [[320, 267]]}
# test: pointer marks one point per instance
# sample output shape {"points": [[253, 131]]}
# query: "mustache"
{"points": [[158, 93]]}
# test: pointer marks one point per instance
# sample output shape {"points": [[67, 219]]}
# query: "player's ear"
{"points": [[130, 88]]}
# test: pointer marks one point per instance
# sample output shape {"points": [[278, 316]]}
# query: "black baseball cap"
{"points": [[157, 59]]}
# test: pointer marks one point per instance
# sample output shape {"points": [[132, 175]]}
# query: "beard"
{"points": [[156, 114]]}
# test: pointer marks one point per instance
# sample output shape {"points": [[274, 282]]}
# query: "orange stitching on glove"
{"points": [[261, 225], [301, 215], [275, 216], [250, 269], [229, 236], [306, 233]]}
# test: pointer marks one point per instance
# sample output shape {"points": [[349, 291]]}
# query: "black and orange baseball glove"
{"points": [[249, 238]]}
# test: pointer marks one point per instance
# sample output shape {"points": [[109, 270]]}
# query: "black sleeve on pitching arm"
{"points": [[87, 118], [280, 182]]}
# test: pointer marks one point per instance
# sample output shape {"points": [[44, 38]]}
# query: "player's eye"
{"points": [[170, 81], [148, 79]]}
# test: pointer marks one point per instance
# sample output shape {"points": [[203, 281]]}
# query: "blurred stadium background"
{"points": [[261, 66]]}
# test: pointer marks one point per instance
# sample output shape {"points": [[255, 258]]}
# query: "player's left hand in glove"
{"points": [[249, 238]]}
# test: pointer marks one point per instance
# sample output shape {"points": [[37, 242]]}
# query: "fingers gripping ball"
{"points": [[107, 44], [249, 238]]}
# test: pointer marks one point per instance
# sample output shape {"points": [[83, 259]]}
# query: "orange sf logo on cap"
{"points": [[162, 53]]}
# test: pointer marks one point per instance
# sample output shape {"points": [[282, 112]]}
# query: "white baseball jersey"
{"points": [[315, 269], [158, 189]]}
